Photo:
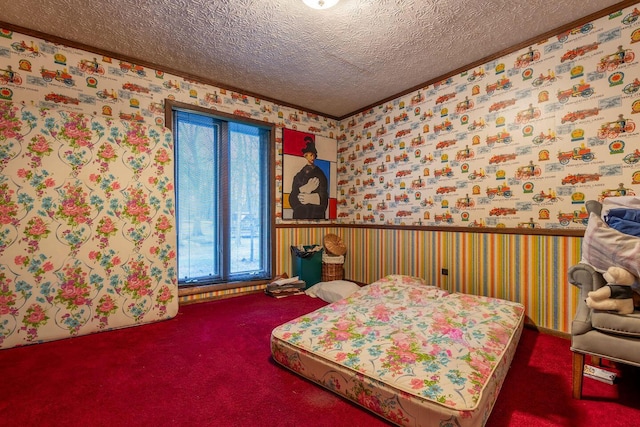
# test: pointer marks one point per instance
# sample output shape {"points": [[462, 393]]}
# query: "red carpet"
{"points": [[211, 366]]}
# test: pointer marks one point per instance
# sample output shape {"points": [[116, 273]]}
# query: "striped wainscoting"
{"points": [[530, 269]]}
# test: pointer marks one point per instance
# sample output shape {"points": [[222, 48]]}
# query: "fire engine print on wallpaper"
{"points": [[521, 141], [309, 174]]}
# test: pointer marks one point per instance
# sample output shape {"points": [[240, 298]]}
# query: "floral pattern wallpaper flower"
{"points": [[87, 224]]}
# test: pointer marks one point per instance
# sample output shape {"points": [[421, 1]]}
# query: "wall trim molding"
{"points": [[452, 229]]}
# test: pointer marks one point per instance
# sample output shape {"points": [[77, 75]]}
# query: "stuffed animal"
{"points": [[617, 294]]}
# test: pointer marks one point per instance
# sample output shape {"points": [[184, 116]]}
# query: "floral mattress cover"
{"points": [[398, 346]]}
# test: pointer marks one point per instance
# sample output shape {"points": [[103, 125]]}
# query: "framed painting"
{"points": [[309, 169]]}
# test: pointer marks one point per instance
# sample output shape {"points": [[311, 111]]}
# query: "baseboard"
{"points": [[530, 325]]}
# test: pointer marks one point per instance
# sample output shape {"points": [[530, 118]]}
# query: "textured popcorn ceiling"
{"points": [[335, 61]]}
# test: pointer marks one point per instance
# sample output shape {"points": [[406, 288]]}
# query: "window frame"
{"points": [[194, 288]]}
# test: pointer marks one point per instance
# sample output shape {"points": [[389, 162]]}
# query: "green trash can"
{"points": [[307, 263]]}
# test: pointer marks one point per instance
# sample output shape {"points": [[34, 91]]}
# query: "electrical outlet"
{"points": [[445, 271]]}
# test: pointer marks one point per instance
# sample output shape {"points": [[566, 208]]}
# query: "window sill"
{"points": [[200, 289]]}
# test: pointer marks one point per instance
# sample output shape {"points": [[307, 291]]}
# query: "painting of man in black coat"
{"points": [[309, 195], [308, 180]]}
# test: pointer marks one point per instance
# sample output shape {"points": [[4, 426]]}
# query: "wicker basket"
{"points": [[334, 245], [332, 272], [333, 260]]}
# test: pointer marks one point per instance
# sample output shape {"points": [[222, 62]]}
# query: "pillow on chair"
{"points": [[604, 247]]}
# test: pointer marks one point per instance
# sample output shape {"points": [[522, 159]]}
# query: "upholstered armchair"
{"points": [[599, 333]]}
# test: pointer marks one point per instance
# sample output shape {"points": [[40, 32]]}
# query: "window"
{"points": [[223, 196]]}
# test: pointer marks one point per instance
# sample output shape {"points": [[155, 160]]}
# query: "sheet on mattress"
{"points": [[418, 345]]}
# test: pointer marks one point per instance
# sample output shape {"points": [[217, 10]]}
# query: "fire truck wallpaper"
{"points": [[521, 141]]}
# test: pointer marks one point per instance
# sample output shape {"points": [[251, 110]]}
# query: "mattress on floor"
{"points": [[413, 354]]}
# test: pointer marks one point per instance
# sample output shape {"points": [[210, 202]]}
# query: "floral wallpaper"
{"points": [[520, 141], [87, 228], [43, 74]]}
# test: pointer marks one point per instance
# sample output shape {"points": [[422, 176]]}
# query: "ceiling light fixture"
{"points": [[320, 4]]}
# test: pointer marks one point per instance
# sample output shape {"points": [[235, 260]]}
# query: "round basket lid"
{"points": [[334, 245]]}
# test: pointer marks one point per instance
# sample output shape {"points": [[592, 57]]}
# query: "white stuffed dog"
{"points": [[617, 295]]}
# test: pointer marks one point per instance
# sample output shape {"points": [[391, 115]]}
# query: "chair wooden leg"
{"points": [[578, 369]]}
